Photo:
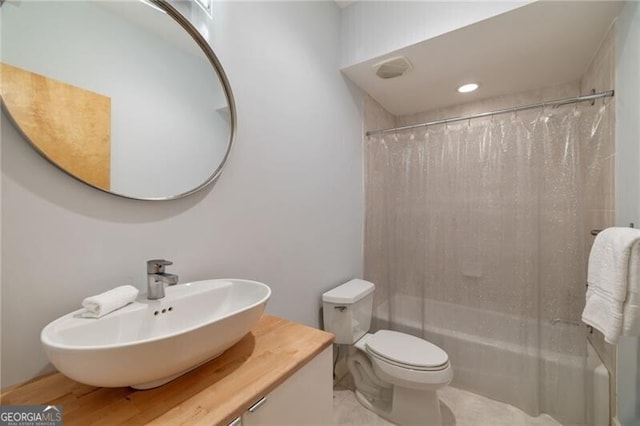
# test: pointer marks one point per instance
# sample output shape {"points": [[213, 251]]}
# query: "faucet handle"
{"points": [[156, 266]]}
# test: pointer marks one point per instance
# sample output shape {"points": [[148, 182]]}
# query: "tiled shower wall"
{"points": [[375, 117], [600, 213], [571, 300]]}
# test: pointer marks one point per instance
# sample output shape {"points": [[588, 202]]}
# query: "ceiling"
{"points": [[542, 44]]}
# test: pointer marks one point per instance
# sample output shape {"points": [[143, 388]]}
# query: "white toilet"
{"points": [[396, 374]]}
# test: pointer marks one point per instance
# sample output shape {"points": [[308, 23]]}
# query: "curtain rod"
{"points": [[558, 102]]}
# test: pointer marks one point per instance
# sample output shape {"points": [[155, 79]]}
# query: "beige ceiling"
{"points": [[542, 44]]}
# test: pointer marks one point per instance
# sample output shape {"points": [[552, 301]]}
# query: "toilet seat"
{"points": [[406, 351]]}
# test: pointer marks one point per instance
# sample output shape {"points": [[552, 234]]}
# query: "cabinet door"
{"points": [[306, 398]]}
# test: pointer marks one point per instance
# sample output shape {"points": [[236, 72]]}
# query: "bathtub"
{"points": [[537, 366]]}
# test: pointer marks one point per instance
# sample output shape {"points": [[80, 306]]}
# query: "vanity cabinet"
{"points": [[305, 398], [287, 364]]}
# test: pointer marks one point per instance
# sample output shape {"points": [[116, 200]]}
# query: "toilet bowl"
{"points": [[406, 360], [396, 375]]}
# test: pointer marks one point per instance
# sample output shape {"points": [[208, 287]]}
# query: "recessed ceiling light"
{"points": [[466, 88]]}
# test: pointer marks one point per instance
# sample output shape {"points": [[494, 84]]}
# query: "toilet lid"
{"points": [[406, 349]]}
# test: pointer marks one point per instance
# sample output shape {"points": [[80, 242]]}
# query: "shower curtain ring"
{"points": [[544, 110]]}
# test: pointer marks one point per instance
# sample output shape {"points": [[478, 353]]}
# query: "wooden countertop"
{"points": [[214, 393]]}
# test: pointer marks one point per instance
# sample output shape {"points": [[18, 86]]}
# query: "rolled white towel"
{"points": [[103, 303]]}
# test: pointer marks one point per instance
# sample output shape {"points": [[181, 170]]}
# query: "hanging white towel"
{"points": [[631, 306], [612, 277], [631, 318], [104, 303]]}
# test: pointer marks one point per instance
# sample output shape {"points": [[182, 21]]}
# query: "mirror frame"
{"points": [[186, 25]]}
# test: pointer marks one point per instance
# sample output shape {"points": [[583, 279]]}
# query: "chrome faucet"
{"points": [[157, 278]]}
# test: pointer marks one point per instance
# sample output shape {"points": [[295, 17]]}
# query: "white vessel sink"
{"points": [[151, 342]]}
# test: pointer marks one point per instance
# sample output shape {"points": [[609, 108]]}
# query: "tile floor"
{"points": [[459, 408]]}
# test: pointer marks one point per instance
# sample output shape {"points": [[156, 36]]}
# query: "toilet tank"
{"points": [[347, 310]]}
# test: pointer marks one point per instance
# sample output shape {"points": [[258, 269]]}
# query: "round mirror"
{"points": [[125, 96]]}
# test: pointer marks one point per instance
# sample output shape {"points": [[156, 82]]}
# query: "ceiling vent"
{"points": [[392, 67]]}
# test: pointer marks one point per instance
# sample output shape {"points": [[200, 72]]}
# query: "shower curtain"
{"points": [[477, 237]]}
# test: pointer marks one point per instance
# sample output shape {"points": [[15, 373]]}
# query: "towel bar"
{"points": [[565, 321], [573, 323], [595, 232]]}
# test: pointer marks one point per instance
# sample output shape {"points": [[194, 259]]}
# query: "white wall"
{"points": [[628, 187], [374, 28], [287, 210]]}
